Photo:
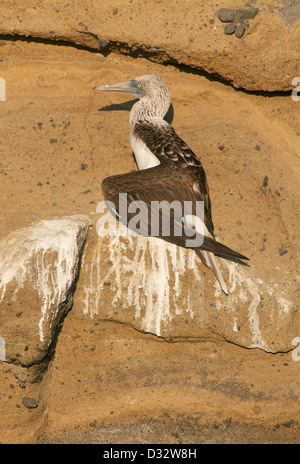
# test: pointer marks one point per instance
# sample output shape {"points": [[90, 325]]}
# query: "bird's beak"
{"points": [[121, 87], [125, 87]]}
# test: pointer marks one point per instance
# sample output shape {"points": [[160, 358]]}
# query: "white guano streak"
{"points": [[150, 280], [157, 302], [245, 287], [45, 255]]}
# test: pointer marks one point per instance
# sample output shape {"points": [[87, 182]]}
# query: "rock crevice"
{"points": [[180, 33]]}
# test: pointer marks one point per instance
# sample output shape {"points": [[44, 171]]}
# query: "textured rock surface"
{"points": [[290, 13], [163, 289], [107, 369], [39, 268], [128, 387], [188, 33]]}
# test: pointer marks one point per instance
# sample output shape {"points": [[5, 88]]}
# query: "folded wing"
{"points": [[142, 195]]}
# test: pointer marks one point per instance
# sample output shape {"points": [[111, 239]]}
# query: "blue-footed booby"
{"points": [[169, 171]]}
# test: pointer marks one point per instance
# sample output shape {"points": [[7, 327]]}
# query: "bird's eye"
{"points": [[139, 85]]}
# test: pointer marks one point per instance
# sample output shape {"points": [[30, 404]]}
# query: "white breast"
{"points": [[144, 157]]}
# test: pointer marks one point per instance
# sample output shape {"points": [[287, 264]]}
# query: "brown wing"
{"points": [[166, 145], [143, 189]]}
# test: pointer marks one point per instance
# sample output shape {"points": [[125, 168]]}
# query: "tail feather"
{"points": [[209, 244], [210, 261], [207, 250]]}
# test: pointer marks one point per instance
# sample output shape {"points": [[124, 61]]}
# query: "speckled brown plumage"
{"points": [[168, 147]]}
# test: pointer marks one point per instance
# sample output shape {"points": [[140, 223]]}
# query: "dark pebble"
{"points": [[265, 181], [106, 284], [290, 422], [229, 15], [29, 403], [84, 166], [53, 140], [102, 43], [282, 250], [229, 29], [257, 147], [221, 147], [239, 31], [226, 15], [277, 193]]}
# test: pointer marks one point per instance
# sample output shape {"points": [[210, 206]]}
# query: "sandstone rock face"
{"points": [[164, 290], [137, 388], [39, 267], [150, 341], [263, 57]]}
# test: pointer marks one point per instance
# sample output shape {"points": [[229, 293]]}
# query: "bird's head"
{"points": [[149, 88]]}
